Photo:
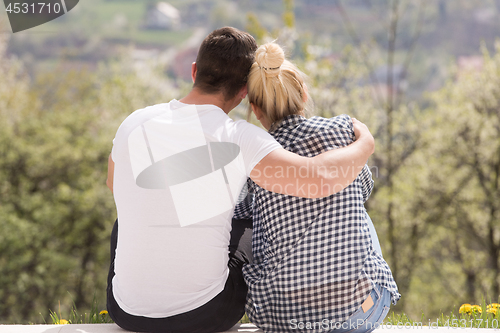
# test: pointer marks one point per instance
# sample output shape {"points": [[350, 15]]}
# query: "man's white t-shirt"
{"points": [[179, 169]]}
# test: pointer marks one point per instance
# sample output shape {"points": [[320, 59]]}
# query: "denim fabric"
{"points": [[364, 322]]}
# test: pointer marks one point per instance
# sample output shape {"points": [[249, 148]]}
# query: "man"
{"points": [[176, 170]]}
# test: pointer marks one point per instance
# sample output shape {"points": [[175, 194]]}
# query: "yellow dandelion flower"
{"points": [[477, 308], [103, 312], [62, 322], [493, 311], [465, 308], [493, 308]]}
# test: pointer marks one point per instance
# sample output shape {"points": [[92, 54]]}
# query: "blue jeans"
{"points": [[360, 321]]}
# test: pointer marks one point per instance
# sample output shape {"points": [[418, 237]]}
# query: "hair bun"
{"points": [[270, 57]]}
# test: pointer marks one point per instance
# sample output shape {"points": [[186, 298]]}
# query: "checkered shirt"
{"points": [[313, 258]]}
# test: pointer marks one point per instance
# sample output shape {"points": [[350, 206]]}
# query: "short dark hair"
{"points": [[224, 61]]}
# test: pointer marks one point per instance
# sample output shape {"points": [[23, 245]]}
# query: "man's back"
{"points": [[178, 171]]}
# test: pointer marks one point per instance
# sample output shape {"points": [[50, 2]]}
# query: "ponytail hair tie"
{"points": [[269, 69]]}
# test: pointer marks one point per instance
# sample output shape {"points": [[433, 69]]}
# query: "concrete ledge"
{"points": [[112, 328], [93, 328]]}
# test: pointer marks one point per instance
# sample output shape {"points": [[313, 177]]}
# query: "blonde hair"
{"points": [[275, 85]]}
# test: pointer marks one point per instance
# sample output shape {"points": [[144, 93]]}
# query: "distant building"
{"points": [[162, 16]]}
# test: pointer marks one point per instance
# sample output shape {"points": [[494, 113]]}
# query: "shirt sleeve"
{"points": [[255, 144], [366, 182], [342, 131]]}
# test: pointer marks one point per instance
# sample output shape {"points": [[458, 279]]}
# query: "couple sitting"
{"points": [[180, 262]]}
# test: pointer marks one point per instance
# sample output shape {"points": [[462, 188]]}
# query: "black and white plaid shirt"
{"points": [[313, 258]]}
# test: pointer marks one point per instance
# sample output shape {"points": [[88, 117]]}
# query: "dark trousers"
{"points": [[219, 314]]}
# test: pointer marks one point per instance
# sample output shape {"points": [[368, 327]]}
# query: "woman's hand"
{"points": [[362, 132]]}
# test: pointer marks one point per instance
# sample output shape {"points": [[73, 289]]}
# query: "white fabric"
{"points": [[173, 233]]}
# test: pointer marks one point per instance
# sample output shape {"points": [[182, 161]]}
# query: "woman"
{"points": [[315, 268]]}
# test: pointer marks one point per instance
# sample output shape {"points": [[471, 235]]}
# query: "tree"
{"points": [[56, 212], [467, 109]]}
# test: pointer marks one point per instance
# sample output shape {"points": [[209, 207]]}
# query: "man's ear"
{"points": [[193, 71], [243, 92]]}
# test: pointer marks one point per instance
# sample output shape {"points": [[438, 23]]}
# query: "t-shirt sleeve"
{"points": [[255, 144]]}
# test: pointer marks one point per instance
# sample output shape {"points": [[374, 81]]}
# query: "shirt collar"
{"points": [[287, 123]]}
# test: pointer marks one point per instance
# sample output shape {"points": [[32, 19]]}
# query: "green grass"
{"points": [[245, 319], [474, 319], [96, 315], [96, 19]]}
